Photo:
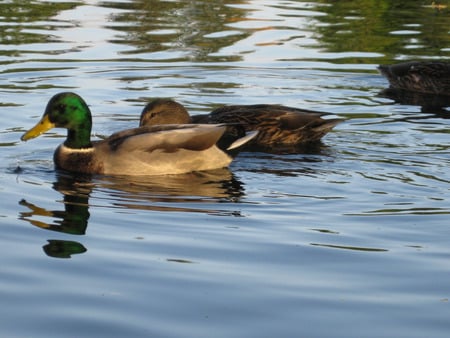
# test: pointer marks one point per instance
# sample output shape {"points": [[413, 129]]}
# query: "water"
{"points": [[349, 239]]}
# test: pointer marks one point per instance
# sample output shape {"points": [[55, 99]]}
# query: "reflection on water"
{"points": [[345, 247], [181, 27], [407, 210], [74, 218], [429, 103], [377, 27], [225, 31], [214, 184], [63, 249], [289, 162], [153, 193]]}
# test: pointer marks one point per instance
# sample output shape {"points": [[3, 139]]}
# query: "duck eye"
{"points": [[61, 108]]}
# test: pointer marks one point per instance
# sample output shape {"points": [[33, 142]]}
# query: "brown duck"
{"points": [[431, 77], [278, 126]]}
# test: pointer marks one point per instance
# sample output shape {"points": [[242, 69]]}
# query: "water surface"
{"points": [[348, 239]]}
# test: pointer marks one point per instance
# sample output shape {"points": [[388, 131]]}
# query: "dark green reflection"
{"points": [[72, 220], [63, 249], [383, 26], [31, 19], [200, 29]]}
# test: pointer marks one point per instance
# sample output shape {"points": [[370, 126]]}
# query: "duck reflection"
{"points": [[154, 193], [289, 161], [203, 187], [63, 249], [72, 220], [430, 103]]}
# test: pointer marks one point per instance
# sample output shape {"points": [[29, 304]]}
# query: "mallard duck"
{"points": [[277, 125], [148, 150], [419, 76]]}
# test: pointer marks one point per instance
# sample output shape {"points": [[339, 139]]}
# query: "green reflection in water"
{"points": [[198, 30], [383, 26], [152, 26], [74, 218], [31, 19], [63, 249]]}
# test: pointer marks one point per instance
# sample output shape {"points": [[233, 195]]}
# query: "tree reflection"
{"points": [[24, 22], [389, 27], [199, 29], [156, 25]]}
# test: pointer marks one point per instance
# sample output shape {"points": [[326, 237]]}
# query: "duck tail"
{"points": [[243, 140], [327, 125]]}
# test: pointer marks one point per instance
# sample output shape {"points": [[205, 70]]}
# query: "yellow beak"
{"points": [[41, 127]]}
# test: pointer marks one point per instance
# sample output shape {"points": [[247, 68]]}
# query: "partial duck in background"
{"points": [[428, 77], [277, 125]]}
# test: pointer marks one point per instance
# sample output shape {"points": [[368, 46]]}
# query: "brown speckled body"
{"points": [[277, 125]]}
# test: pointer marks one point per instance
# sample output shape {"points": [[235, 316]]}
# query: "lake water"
{"points": [[350, 239]]}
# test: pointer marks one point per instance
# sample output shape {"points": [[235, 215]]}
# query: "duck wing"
{"points": [[251, 114], [166, 137], [277, 124], [161, 150], [262, 116]]}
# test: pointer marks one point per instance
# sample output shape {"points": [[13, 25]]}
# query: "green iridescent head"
{"points": [[65, 110]]}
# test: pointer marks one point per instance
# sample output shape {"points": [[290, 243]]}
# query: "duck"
{"points": [[146, 150], [428, 77], [278, 126]]}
